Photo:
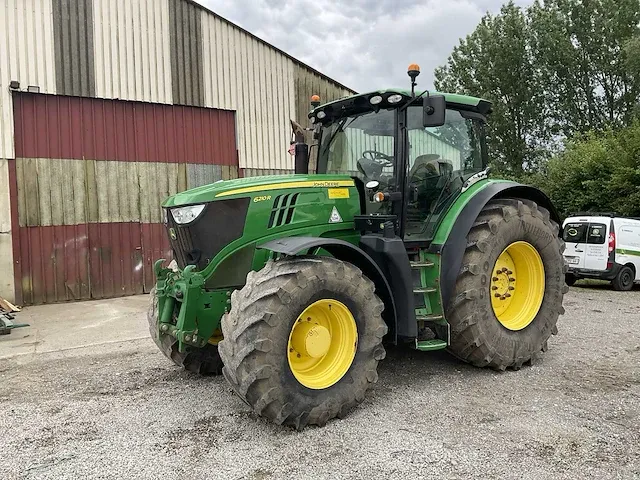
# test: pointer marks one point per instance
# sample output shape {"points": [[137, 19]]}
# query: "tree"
{"points": [[560, 68], [579, 48], [596, 172], [495, 62]]}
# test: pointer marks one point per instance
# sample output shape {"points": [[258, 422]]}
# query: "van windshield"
{"points": [[591, 233]]}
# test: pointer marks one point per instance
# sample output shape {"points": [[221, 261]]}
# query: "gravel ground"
{"points": [[129, 413]]}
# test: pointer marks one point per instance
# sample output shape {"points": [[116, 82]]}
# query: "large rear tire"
{"points": [[205, 360], [510, 288], [272, 353]]}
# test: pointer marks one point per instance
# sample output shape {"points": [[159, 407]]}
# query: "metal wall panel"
{"points": [[7, 288], [259, 172], [132, 50], [87, 261], [73, 40], [53, 264], [308, 83], [185, 27], [251, 77], [198, 175], [71, 192], [116, 259], [51, 126], [87, 201], [26, 55], [155, 245]]}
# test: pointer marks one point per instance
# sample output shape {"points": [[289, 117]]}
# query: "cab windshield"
{"points": [[439, 159]]}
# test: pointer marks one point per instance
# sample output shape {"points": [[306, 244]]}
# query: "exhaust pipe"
{"points": [[301, 149]]}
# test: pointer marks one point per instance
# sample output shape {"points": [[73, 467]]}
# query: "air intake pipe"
{"points": [[300, 148]]}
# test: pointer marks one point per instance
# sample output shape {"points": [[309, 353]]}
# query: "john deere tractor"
{"points": [[292, 285]]}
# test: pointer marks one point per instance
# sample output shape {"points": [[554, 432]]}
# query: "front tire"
{"points": [[570, 279], [262, 355], [624, 280], [510, 288]]}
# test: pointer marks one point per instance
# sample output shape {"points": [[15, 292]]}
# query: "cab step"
{"points": [[424, 290], [421, 264], [428, 318], [430, 345]]}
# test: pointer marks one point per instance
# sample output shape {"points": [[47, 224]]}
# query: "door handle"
{"points": [[581, 251]]}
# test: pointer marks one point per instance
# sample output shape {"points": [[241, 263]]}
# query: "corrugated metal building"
{"points": [[109, 106]]}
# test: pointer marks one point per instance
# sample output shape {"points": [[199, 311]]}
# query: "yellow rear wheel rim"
{"points": [[517, 285], [322, 344]]}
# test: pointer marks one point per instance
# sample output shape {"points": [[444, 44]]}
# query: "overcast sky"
{"points": [[364, 44]]}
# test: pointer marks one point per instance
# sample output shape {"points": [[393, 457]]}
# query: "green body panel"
{"points": [[449, 218], [431, 345], [269, 184], [201, 308]]}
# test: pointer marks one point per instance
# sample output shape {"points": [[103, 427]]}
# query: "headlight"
{"points": [[375, 100], [188, 214], [394, 98], [321, 115], [312, 120]]}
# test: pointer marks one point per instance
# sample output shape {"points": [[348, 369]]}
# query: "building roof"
{"points": [[279, 50]]}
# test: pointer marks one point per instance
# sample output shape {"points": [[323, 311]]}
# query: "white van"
{"points": [[602, 246]]}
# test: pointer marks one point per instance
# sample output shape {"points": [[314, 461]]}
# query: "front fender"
{"points": [[453, 248], [347, 252]]}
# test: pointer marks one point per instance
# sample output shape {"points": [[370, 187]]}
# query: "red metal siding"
{"points": [[80, 262], [52, 126], [53, 265], [155, 245]]}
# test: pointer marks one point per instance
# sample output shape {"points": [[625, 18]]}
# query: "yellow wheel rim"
{"points": [[322, 344], [517, 285]]}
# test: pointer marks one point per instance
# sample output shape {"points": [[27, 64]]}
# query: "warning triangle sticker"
{"points": [[335, 216]]}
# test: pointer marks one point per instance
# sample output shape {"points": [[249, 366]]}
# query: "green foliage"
{"points": [[596, 172], [560, 74], [579, 47], [495, 62], [556, 69]]}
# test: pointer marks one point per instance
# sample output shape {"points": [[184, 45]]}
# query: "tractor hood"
{"points": [[252, 186]]}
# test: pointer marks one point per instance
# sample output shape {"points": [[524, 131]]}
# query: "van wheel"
{"points": [[624, 280], [570, 279]]}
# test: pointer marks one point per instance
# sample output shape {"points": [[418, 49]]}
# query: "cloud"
{"points": [[364, 44]]}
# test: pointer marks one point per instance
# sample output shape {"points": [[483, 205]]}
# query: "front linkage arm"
{"points": [[199, 310]]}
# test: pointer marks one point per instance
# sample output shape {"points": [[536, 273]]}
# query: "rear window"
{"points": [[575, 232], [596, 233], [593, 233]]}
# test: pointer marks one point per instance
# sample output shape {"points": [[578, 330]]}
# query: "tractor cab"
{"points": [[410, 153]]}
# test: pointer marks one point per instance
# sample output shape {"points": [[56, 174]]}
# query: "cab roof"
{"points": [[464, 102]]}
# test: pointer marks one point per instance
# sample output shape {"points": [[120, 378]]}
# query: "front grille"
{"points": [[282, 211], [198, 242]]}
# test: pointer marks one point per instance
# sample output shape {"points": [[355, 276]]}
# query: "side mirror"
{"points": [[433, 110]]}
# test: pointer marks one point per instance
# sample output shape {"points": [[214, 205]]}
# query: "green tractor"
{"points": [[292, 285]]}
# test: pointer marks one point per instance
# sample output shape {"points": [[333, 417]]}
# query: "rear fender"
{"points": [[346, 252], [454, 247]]}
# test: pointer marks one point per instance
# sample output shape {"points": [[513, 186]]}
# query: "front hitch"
{"points": [[186, 310]]}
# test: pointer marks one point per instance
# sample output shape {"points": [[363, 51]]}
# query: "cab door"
{"points": [[597, 249]]}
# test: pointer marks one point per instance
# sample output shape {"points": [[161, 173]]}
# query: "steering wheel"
{"points": [[380, 158]]}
